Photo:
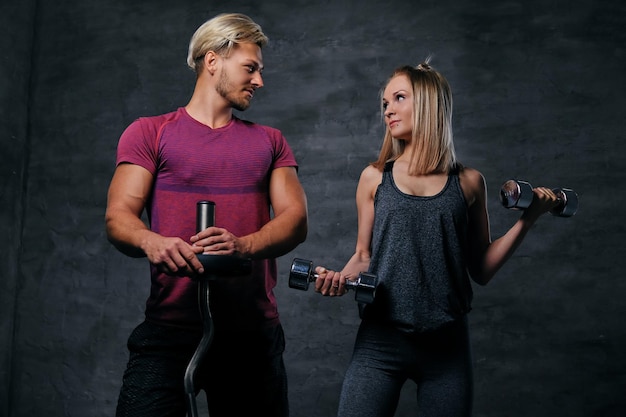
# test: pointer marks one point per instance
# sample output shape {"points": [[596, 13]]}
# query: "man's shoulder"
{"points": [[150, 126], [160, 119], [254, 125]]}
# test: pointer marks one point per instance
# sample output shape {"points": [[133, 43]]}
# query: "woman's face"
{"points": [[398, 107]]}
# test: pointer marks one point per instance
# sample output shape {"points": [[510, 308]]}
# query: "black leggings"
{"points": [[241, 375], [384, 358]]}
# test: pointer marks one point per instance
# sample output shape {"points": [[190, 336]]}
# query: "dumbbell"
{"points": [[302, 274], [516, 194]]}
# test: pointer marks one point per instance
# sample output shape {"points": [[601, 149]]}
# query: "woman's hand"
{"points": [[329, 283], [544, 200]]}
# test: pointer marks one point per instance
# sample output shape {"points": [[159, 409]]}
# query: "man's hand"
{"points": [[218, 241], [174, 256]]}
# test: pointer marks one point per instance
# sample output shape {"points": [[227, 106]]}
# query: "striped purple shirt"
{"points": [[231, 166]]}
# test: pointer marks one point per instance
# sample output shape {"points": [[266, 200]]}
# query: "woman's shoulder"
{"points": [[371, 177], [370, 172], [472, 183], [469, 173]]}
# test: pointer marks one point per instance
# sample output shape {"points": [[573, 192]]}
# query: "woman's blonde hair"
{"points": [[431, 146], [220, 35]]}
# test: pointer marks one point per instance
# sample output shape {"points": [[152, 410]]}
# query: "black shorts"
{"points": [[243, 374]]}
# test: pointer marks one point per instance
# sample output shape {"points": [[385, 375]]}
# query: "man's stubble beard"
{"points": [[225, 89]]}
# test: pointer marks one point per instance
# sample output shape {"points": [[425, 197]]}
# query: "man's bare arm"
{"points": [[130, 188]]}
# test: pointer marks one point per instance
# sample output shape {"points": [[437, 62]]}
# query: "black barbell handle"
{"points": [[203, 346], [205, 217]]}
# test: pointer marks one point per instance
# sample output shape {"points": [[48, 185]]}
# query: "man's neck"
{"points": [[211, 111]]}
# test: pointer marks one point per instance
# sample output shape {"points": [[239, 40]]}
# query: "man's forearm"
{"points": [[276, 238], [127, 235]]}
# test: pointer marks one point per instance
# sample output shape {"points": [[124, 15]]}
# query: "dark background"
{"points": [[538, 89]]}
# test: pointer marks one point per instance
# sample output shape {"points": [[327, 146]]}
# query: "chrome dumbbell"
{"points": [[516, 194], [301, 274]]}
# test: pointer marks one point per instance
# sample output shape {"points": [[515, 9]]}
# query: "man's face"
{"points": [[240, 75]]}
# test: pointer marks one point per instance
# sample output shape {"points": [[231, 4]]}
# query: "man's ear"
{"points": [[210, 61]]}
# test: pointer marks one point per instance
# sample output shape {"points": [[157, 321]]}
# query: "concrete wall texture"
{"points": [[539, 94]]}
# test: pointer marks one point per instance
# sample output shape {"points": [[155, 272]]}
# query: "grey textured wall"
{"points": [[538, 96], [17, 22]]}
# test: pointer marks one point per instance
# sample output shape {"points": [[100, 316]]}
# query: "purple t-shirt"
{"points": [[231, 166]]}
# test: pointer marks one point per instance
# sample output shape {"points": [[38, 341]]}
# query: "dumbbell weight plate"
{"points": [[300, 274], [569, 202], [516, 194], [365, 292]]}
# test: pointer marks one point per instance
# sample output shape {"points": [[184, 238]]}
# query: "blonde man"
{"points": [[165, 164]]}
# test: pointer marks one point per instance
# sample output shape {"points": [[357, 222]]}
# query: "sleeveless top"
{"points": [[419, 247]]}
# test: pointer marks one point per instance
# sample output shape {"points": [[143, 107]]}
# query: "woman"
{"points": [[423, 229]]}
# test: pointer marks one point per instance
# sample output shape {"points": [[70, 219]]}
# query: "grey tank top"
{"points": [[419, 245]]}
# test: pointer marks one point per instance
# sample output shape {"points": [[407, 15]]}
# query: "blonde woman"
{"points": [[423, 229]]}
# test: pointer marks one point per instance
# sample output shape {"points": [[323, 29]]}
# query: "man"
{"points": [[165, 164]]}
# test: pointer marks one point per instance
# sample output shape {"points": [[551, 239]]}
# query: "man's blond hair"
{"points": [[221, 34]]}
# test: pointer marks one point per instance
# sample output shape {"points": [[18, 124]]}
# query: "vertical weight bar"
{"points": [[205, 215]]}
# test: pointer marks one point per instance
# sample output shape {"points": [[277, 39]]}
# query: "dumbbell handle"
{"points": [[351, 284], [311, 275]]}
